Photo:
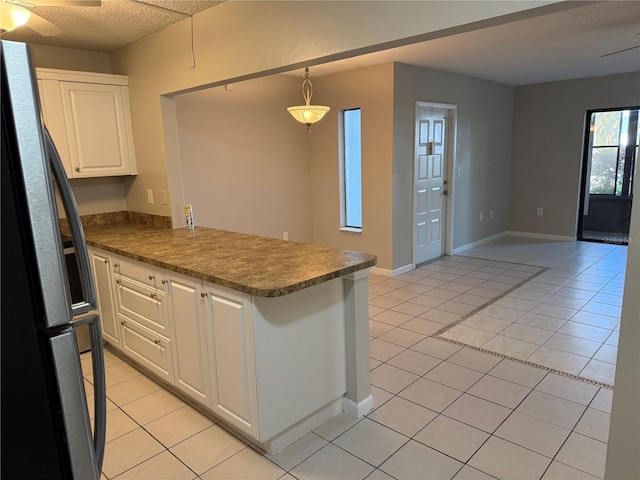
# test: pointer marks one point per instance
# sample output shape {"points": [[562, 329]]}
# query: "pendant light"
{"points": [[307, 113], [12, 16]]}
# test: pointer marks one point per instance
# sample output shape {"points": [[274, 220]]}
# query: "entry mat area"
{"points": [[552, 319]]}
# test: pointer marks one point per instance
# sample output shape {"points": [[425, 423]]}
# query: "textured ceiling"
{"points": [[107, 28], [557, 46]]}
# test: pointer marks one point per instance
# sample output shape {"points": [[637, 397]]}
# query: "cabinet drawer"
{"points": [[142, 304], [140, 272], [145, 347]]}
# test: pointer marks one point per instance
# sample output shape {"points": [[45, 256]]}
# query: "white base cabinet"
{"points": [[272, 368]]}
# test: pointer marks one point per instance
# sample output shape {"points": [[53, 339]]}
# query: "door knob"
{"points": [[445, 192]]}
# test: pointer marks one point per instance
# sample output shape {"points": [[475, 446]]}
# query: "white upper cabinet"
{"points": [[89, 119]]}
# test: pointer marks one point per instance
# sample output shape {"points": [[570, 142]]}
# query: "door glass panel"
{"points": [[607, 129], [610, 155], [603, 170]]}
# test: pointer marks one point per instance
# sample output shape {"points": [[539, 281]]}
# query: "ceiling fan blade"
{"points": [[42, 26], [619, 51], [64, 3]]}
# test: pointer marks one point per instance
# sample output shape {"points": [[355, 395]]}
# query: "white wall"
{"points": [[238, 40], [623, 454], [244, 159], [370, 89], [70, 59], [483, 153], [548, 133]]}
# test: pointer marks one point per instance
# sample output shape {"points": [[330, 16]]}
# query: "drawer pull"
{"points": [[153, 295], [203, 294], [116, 265], [106, 260], [123, 323], [151, 277], [77, 169], [119, 282], [157, 342], [164, 282]]}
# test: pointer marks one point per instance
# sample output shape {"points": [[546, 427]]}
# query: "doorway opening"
{"points": [[608, 173], [432, 202]]}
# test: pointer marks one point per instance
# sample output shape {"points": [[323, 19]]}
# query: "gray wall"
{"points": [[245, 161], [483, 153], [548, 133]]}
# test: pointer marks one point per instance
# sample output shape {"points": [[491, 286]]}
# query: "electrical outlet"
{"points": [[490, 213], [150, 196], [481, 216], [285, 235], [540, 211]]}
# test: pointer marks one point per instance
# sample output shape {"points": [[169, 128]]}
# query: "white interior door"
{"points": [[429, 197]]}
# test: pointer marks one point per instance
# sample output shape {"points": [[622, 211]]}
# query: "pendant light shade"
{"points": [[12, 16], [307, 113]]}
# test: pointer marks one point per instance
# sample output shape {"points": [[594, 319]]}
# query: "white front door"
{"points": [[429, 183]]}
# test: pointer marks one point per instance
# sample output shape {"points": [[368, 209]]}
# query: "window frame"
{"points": [[342, 154]]}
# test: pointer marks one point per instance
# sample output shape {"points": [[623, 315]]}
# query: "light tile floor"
{"points": [[567, 318], [441, 410]]}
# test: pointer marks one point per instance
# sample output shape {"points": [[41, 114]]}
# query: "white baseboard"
{"points": [[392, 273], [545, 236], [477, 243], [357, 410]]}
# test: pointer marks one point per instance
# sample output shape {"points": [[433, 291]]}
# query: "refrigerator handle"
{"points": [[71, 210], [89, 303], [99, 390]]}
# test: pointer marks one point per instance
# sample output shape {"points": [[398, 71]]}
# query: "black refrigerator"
{"points": [[46, 432]]}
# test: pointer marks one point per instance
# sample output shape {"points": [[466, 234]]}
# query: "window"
{"points": [[350, 170], [614, 142]]}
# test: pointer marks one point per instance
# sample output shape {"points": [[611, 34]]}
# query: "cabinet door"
{"points": [[147, 348], [100, 263], [98, 129], [232, 363], [190, 356], [53, 116]]}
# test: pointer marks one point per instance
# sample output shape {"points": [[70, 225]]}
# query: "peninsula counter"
{"points": [[270, 336]]}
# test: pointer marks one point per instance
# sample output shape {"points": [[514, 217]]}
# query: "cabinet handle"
{"points": [[119, 282], [157, 342], [106, 260], [164, 282], [116, 265], [151, 277], [77, 169], [203, 294], [123, 323], [153, 295]]}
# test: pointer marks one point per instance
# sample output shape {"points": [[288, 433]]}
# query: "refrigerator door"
{"points": [[85, 312], [32, 160]]}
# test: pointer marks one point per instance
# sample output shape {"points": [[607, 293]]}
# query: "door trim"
{"points": [[452, 116]]}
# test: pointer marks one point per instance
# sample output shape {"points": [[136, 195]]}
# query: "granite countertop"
{"points": [[259, 266]]}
